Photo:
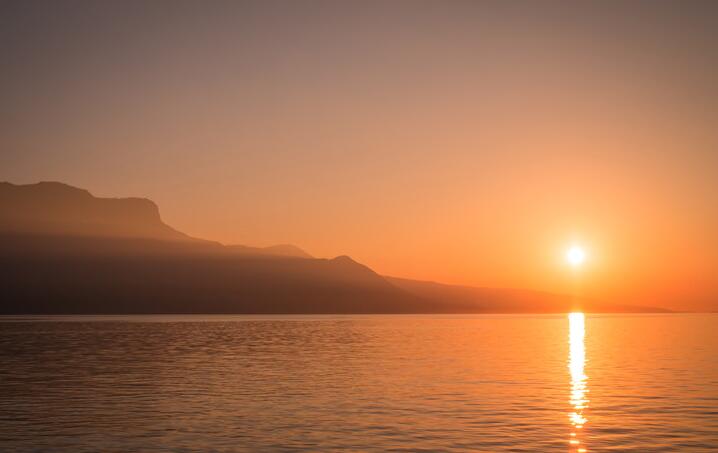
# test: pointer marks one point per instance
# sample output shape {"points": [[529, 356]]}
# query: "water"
{"points": [[362, 383]]}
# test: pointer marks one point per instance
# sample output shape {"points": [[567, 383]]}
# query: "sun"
{"points": [[575, 256]]}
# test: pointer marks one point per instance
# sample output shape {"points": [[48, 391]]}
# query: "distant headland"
{"points": [[64, 251]]}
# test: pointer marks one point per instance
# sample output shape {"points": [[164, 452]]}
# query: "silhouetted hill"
{"points": [[54, 208], [64, 251], [104, 275], [57, 209]]}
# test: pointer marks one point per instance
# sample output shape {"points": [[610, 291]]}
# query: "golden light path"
{"points": [[579, 389]]}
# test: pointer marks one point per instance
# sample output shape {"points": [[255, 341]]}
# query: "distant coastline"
{"points": [[64, 251]]}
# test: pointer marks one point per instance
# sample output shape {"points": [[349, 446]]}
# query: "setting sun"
{"points": [[575, 256], [358, 225]]}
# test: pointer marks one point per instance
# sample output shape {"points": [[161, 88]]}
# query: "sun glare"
{"points": [[579, 380], [575, 256]]}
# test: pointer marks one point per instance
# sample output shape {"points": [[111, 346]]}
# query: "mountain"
{"points": [[90, 275], [65, 251], [57, 209], [54, 208]]}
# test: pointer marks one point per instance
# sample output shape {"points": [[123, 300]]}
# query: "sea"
{"points": [[464, 383]]}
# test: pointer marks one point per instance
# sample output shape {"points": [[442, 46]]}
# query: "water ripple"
{"points": [[361, 383]]}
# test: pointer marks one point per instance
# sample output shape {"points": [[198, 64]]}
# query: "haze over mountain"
{"points": [[58, 209], [63, 250]]}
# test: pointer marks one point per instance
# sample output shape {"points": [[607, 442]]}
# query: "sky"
{"points": [[461, 142]]}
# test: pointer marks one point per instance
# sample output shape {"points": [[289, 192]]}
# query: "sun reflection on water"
{"points": [[579, 388]]}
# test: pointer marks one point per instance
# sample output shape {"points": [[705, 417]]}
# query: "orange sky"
{"points": [[458, 142]]}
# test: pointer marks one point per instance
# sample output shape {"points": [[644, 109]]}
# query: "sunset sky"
{"points": [[462, 142]]}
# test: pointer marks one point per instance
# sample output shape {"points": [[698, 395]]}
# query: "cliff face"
{"points": [[52, 208]]}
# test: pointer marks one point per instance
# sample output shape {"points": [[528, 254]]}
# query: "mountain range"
{"points": [[64, 251]]}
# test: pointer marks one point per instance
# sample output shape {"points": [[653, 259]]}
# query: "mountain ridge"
{"points": [[54, 207], [62, 250]]}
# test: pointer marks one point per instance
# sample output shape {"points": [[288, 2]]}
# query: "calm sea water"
{"points": [[366, 383]]}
